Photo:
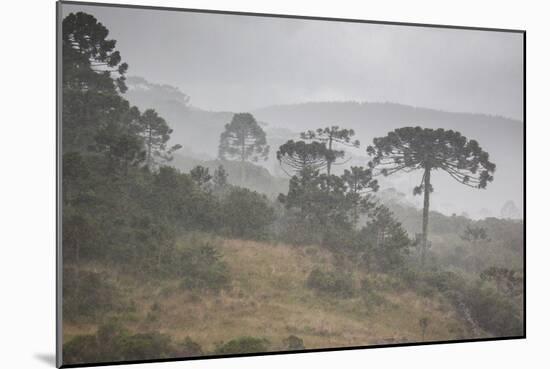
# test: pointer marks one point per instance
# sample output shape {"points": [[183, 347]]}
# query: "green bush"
{"points": [[493, 312], [112, 343], [82, 349], [202, 268], [246, 214], [143, 346], [369, 294], [189, 348], [337, 284], [294, 343], [87, 295], [243, 345]]}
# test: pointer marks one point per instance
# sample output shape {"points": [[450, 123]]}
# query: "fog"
{"points": [[242, 63], [238, 63]]}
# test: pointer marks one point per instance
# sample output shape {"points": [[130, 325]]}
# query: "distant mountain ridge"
{"points": [[199, 131]]}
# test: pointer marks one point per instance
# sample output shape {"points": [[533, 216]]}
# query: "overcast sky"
{"points": [[238, 63]]}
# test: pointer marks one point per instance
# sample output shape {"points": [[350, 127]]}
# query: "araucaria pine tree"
{"points": [[415, 148], [244, 140], [332, 136]]}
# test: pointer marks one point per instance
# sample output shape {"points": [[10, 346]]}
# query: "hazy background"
{"points": [[228, 63]]}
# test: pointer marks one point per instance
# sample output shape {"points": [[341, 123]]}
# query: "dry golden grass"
{"points": [[269, 299]]}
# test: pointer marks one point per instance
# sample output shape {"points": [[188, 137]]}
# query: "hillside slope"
{"points": [[269, 299]]}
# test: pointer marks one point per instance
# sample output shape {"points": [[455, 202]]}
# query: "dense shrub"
{"points": [[112, 343], [82, 349], [201, 268], [337, 284], [87, 295], [143, 346], [188, 348], [243, 345], [246, 214], [369, 293], [294, 343], [493, 312]]}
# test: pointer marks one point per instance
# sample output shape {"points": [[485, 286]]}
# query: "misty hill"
{"points": [[254, 176], [195, 129], [199, 131], [500, 136], [504, 247]]}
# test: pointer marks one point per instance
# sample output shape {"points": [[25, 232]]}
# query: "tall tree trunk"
{"points": [[149, 144], [243, 158], [425, 213], [329, 162]]}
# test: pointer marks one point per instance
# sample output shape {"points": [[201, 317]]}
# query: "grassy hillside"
{"points": [[269, 299]]}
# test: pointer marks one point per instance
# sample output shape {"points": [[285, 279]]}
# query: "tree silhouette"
{"points": [[90, 92], [156, 134], [332, 136], [360, 183], [244, 140], [220, 177], [299, 155], [415, 148], [475, 235], [200, 175], [383, 239], [89, 57]]}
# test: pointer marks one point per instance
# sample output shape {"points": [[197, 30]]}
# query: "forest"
{"points": [[164, 262]]}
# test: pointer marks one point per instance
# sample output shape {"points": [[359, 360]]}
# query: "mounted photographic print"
{"points": [[247, 184]]}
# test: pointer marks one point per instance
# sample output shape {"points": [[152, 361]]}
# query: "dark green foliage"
{"points": [[475, 234], [359, 182], [319, 212], [494, 312], [333, 283], [243, 345], [202, 268], [201, 176], [369, 293], [293, 342], [220, 178], [91, 101], [112, 343], [155, 133], [507, 281], [188, 348], [142, 346], [87, 295], [490, 310], [87, 50], [410, 148], [298, 156], [246, 214], [383, 243], [82, 349]]}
